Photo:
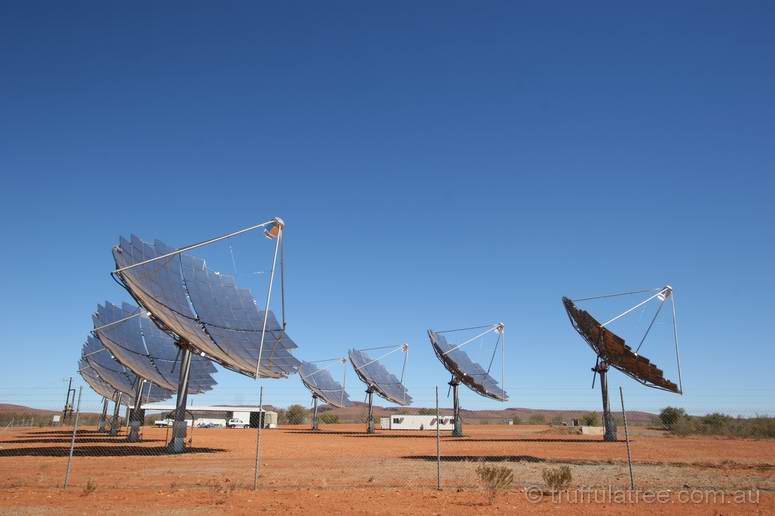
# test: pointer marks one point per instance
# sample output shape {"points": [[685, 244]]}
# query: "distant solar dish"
{"points": [[97, 384], [205, 308], [116, 375], [323, 386], [150, 353], [466, 371], [378, 379], [89, 374], [611, 349]]}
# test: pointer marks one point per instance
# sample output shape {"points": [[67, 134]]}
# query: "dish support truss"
{"points": [[454, 383], [274, 230], [370, 387], [602, 362]]}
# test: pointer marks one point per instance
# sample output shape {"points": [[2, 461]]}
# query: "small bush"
{"points": [[296, 415], [557, 479], [671, 416], [89, 488], [591, 419], [494, 479], [515, 420], [537, 419], [329, 419]]}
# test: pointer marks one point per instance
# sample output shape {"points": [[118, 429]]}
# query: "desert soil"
{"points": [[344, 470]]}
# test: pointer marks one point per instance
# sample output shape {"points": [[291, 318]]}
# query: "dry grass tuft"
{"points": [[558, 479], [494, 479]]}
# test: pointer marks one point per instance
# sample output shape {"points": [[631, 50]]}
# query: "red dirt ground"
{"points": [[343, 470]]}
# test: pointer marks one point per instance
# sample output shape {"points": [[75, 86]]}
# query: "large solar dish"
{"points": [[116, 375], [323, 385], [465, 370], [374, 374], [205, 308], [137, 343], [612, 349]]}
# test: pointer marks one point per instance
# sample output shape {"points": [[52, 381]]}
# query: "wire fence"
{"points": [[81, 452]]}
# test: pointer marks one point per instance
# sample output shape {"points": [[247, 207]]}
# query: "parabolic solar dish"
{"points": [[612, 349], [116, 375], [205, 308], [91, 377], [374, 374], [323, 385], [465, 370], [137, 343]]}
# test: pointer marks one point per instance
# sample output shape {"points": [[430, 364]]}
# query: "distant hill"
{"points": [[357, 413], [8, 408]]}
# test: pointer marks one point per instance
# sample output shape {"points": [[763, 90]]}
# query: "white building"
{"points": [[219, 414], [415, 422]]}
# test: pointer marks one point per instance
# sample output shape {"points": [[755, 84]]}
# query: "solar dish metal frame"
{"points": [[99, 332], [318, 393], [458, 376], [273, 229], [372, 386], [603, 362]]}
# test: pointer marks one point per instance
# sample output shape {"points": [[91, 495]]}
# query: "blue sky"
{"points": [[438, 165]]}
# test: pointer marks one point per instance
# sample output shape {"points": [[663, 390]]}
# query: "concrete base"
{"points": [[592, 430], [178, 441], [134, 431]]}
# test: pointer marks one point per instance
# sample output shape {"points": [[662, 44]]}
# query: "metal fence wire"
{"points": [[82, 453]]}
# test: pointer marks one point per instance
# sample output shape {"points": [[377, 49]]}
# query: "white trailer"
{"points": [[416, 422]]}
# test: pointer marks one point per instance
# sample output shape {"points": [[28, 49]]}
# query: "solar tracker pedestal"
{"points": [[136, 414], [457, 431], [608, 418], [178, 442], [315, 426], [115, 423], [104, 416], [370, 421]]}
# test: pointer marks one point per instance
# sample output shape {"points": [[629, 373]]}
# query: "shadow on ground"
{"points": [[52, 440], [99, 451]]}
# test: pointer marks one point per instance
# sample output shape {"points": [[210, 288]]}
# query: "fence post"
{"points": [[72, 441], [258, 436], [438, 444], [627, 439]]}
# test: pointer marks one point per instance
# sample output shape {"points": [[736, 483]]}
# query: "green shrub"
{"points": [[515, 420], [296, 415], [671, 416], [329, 419], [537, 419], [591, 419]]}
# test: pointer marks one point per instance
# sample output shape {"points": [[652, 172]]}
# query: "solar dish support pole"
{"points": [[178, 442], [315, 426], [279, 237], [68, 404], [136, 415], [115, 424], [608, 418], [370, 419], [457, 430], [104, 416]]}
